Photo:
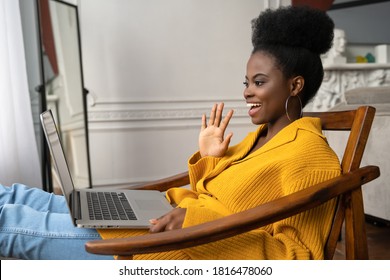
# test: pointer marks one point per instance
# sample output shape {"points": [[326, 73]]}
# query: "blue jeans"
{"points": [[36, 225]]}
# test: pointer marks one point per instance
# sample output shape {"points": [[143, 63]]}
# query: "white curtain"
{"points": [[19, 159]]}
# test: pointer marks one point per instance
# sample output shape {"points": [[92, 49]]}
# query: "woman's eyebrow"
{"points": [[257, 75]]}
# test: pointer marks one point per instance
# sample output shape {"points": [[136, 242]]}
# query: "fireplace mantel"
{"points": [[343, 77]]}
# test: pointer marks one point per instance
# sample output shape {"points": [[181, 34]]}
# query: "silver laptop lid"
{"points": [[57, 152]]}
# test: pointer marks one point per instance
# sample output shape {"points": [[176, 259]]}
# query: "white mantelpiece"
{"points": [[343, 77]]}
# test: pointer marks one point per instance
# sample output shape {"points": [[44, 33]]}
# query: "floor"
{"points": [[378, 239]]}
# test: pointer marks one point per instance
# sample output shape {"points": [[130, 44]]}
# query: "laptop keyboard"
{"points": [[109, 206]]}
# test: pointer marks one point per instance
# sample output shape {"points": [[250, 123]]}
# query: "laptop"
{"points": [[102, 208]]}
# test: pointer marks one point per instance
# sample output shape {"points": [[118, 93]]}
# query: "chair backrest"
{"points": [[350, 205]]}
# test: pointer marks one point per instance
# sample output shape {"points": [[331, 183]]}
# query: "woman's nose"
{"points": [[247, 93]]}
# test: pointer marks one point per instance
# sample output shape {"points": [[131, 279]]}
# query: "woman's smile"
{"points": [[254, 108]]}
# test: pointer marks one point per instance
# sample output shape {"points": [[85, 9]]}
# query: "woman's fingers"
{"points": [[212, 115], [227, 139], [157, 225], [226, 120], [204, 122], [216, 116], [172, 220], [212, 141]]}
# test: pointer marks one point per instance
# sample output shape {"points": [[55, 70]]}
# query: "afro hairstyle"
{"points": [[293, 26], [295, 37]]}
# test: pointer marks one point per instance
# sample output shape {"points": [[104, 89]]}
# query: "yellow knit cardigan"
{"points": [[294, 159]]}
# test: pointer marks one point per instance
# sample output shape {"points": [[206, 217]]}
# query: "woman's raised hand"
{"points": [[211, 137]]}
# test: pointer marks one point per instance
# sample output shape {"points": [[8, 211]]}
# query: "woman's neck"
{"points": [[268, 133]]}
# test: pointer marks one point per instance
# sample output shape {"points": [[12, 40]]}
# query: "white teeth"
{"points": [[253, 104]]}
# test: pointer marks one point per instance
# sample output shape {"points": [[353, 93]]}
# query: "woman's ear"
{"points": [[297, 84]]}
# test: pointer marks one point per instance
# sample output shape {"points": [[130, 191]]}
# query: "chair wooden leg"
{"points": [[355, 237], [336, 231]]}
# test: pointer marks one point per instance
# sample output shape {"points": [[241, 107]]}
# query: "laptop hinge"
{"points": [[76, 209]]}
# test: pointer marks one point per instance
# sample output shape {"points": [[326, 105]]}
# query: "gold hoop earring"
{"points": [[286, 107]]}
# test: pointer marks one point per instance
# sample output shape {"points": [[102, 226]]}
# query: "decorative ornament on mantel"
{"points": [[336, 54], [382, 53], [368, 58], [342, 78]]}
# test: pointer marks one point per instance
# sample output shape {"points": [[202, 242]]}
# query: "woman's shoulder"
{"points": [[308, 142]]}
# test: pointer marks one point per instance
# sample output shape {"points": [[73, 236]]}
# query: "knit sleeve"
{"points": [[199, 215], [199, 167], [203, 209]]}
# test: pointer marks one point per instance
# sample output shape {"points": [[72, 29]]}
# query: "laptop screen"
{"points": [[57, 152]]}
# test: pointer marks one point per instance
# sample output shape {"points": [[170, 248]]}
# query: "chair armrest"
{"points": [[237, 223], [162, 185]]}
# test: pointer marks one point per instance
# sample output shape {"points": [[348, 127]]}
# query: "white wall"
{"points": [[152, 68], [365, 24], [362, 32]]}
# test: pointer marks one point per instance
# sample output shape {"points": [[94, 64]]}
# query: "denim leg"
{"points": [[26, 233], [36, 225], [32, 197]]}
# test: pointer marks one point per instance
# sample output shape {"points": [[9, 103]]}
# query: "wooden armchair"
{"points": [[346, 187]]}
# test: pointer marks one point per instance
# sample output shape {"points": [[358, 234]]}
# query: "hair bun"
{"points": [[294, 26]]}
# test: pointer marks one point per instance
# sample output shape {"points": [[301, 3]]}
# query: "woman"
{"points": [[285, 154]]}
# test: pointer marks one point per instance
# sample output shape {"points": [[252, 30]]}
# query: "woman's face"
{"points": [[266, 90]]}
